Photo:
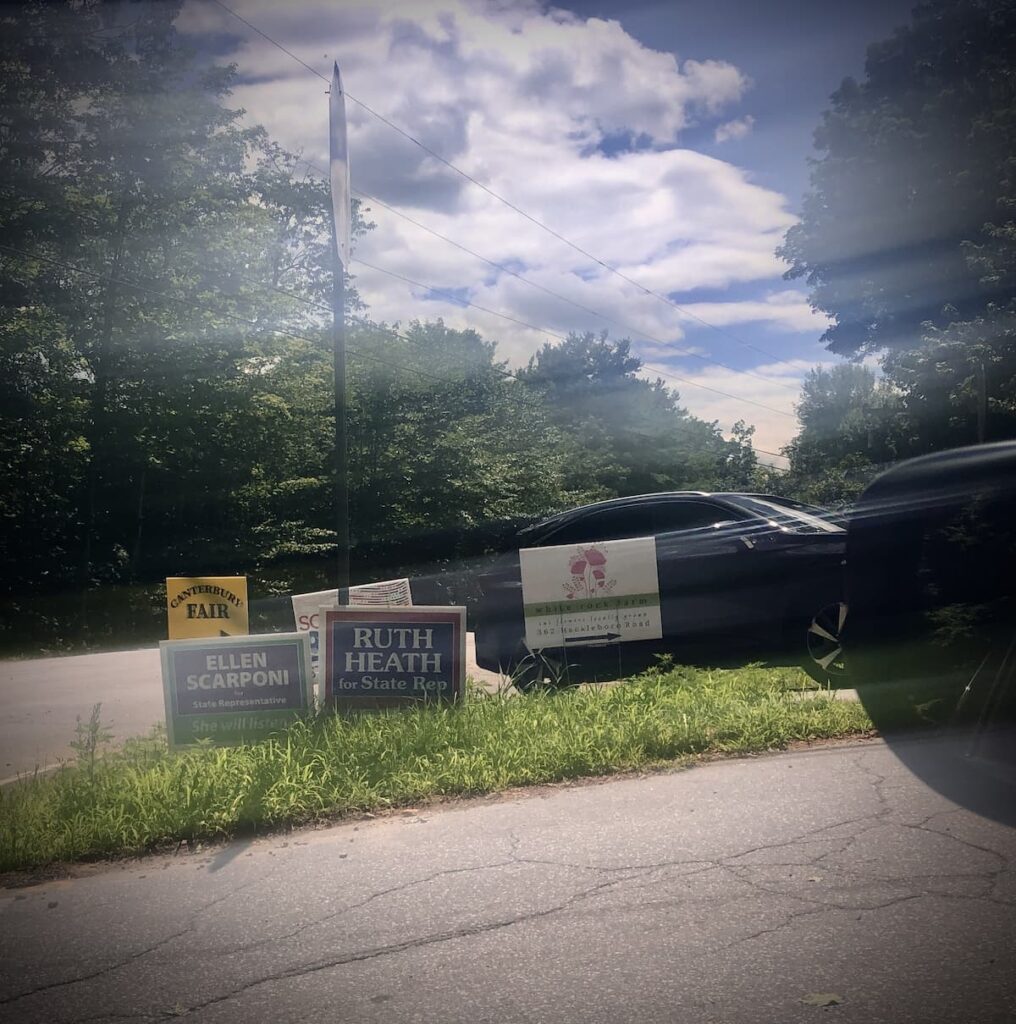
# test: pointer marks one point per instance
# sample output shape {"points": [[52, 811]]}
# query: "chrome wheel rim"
{"points": [[825, 644]]}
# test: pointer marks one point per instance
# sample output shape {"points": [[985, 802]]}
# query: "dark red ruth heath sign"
{"points": [[382, 657]]}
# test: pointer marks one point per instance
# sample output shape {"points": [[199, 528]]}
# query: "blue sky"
{"points": [[795, 52], [668, 139]]}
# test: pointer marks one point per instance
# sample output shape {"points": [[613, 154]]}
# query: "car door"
{"points": [[500, 623], [710, 558], [708, 554]]}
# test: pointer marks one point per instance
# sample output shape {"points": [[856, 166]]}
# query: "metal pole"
{"points": [[341, 460]]}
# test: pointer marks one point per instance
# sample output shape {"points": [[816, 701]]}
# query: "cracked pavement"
{"points": [[742, 890]]}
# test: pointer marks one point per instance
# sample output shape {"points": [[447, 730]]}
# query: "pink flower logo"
{"points": [[587, 565], [595, 556]]}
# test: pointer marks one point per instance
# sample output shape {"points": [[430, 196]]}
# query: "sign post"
{"points": [[206, 606], [386, 657], [235, 689]]}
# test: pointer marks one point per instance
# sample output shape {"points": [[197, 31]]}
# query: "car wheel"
{"points": [[823, 657]]}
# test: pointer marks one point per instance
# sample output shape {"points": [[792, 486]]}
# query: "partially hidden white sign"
{"points": [[581, 595], [386, 594]]}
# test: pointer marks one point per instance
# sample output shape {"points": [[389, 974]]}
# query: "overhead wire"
{"points": [[506, 374], [547, 331], [687, 353], [545, 227], [388, 329], [501, 199], [326, 308], [544, 330]]}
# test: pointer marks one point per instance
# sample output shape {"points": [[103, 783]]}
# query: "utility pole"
{"points": [[341, 451], [341, 217]]}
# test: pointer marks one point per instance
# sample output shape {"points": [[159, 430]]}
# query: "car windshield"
{"points": [[794, 518]]}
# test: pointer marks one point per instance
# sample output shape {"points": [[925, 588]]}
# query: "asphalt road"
{"points": [[40, 700], [740, 891]]}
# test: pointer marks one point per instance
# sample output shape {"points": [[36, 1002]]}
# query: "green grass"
{"points": [[143, 797]]}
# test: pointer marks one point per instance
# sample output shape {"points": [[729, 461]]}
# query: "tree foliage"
{"points": [[146, 232], [849, 426], [907, 242], [441, 438], [630, 434], [909, 217]]}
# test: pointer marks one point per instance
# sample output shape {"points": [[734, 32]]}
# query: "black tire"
{"points": [[822, 657]]}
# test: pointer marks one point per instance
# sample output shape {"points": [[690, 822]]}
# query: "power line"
{"points": [[557, 295], [325, 308], [274, 42], [501, 199], [778, 455], [543, 330], [614, 270], [461, 302], [506, 374]]}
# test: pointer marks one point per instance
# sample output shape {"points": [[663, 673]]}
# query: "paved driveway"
{"points": [[821, 887]]}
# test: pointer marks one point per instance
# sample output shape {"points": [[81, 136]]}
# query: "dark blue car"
{"points": [[740, 575]]}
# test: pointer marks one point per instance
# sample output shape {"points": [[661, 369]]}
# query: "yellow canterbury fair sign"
{"points": [[206, 606]]}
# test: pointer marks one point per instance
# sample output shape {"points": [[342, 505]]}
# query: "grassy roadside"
{"points": [[142, 797]]}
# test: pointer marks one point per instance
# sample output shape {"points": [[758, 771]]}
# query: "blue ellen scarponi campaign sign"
{"points": [[234, 689], [393, 655]]}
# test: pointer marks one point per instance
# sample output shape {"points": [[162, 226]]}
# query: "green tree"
{"points": [[43, 450], [441, 437], [165, 368], [907, 234], [850, 427], [914, 181], [151, 238], [742, 471], [627, 435]]}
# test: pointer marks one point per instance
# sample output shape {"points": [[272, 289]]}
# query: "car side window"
{"points": [[612, 524], [690, 515]]}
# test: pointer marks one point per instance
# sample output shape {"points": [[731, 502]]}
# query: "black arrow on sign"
{"points": [[606, 637]]}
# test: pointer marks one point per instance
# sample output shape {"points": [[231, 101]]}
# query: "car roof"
{"points": [[634, 499]]}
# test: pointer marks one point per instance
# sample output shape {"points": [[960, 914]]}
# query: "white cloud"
{"points": [[787, 309], [779, 390], [573, 120], [736, 129]]}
